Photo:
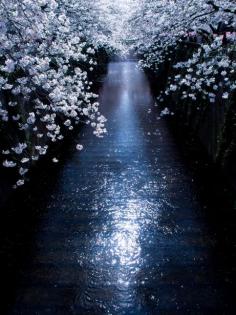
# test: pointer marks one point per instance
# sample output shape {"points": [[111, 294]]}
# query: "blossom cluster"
{"points": [[210, 73], [45, 60], [203, 31]]}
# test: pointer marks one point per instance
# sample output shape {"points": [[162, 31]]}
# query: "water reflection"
{"points": [[146, 240], [123, 231], [138, 229], [115, 251]]}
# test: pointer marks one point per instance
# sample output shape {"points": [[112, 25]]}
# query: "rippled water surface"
{"points": [[122, 229]]}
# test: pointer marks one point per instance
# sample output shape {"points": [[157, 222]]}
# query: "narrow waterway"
{"points": [[120, 229]]}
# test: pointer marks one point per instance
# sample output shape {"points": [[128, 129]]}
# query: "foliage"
{"points": [[47, 50], [196, 37]]}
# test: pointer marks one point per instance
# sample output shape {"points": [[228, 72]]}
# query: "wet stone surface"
{"points": [[120, 229]]}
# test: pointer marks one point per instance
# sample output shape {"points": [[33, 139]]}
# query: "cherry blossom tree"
{"points": [[203, 31], [44, 86]]}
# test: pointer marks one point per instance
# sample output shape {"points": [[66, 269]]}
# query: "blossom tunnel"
{"points": [[118, 150]]}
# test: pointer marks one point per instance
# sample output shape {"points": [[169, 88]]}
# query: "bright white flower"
{"points": [[20, 182], [25, 160], [19, 148], [9, 66], [225, 95], [42, 150], [85, 111], [165, 112], [23, 171], [173, 87], [79, 147], [67, 123], [31, 119], [10, 164], [55, 160]]}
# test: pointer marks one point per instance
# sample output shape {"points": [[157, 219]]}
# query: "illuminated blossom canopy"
{"points": [[49, 49], [206, 30]]}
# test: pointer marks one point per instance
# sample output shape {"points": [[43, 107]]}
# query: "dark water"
{"points": [[118, 228]]}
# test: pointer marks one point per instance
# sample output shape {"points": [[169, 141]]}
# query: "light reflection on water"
{"points": [[114, 253], [114, 257], [134, 217], [123, 230]]}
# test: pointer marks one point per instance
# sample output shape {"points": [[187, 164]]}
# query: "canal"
{"points": [[118, 228]]}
